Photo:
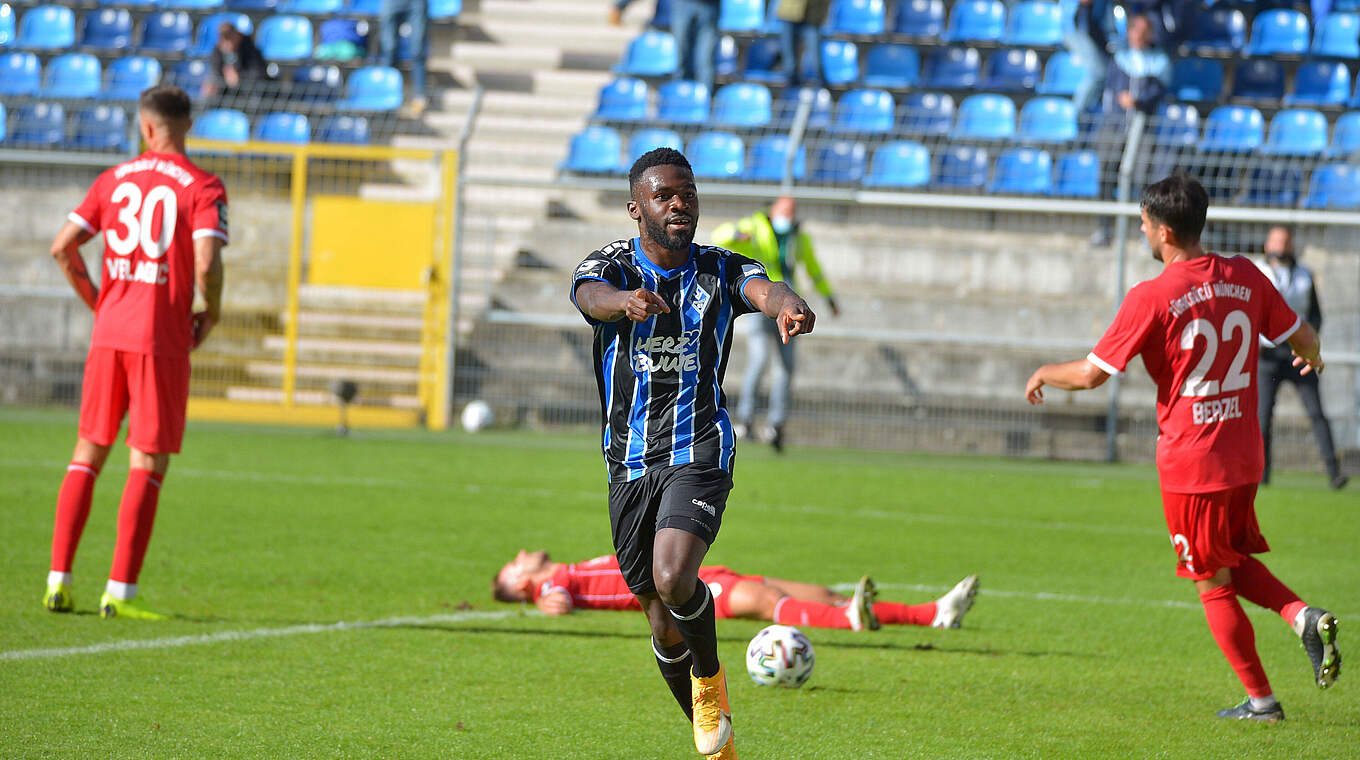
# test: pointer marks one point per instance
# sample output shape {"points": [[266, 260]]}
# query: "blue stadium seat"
{"points": [[249, 6], [839, 162], [190, 75], [593, 150], [373, 88], [768, 156], [206, 38], [1348, 6], [167, 32], [861, 17], [365, 7], [284, 38], [1279, 32], [681, 101], [7, 32], [226, 124], [106, 29], [1233, 128], [864, 110], [1334, 186], [348, 130], [1034, 23], [1048, 119], [1275, 185], [717, 155], [137, 4], [891, 67], [73, 75], [962, 167], [644, 140], [928, 113], [1011, 70], [1297, 132], [1023, 171], [976, 21], [443, 10], [192, 5], [923, 19], [741, 15], [1320, 83], [650, 54], [1062, 75], [951, 68], [1259, 79], [742, 104], [317, 83], [4, 124], [1219, 30], [126, 78], [726, 57], [1078, 175], [38, 125], [284, 127], [310, 7], [840, 62], [624, 99], [822, 108], [985, 117], [1197, 79], [901, 163], [1345, 136], [1338, 36], [100, 128], [762, 62], [20, 73], [1177, 125], [46, 27]]}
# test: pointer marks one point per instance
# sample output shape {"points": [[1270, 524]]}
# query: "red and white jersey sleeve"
{"points": [[596, 584], [1195, 327], [150, 210]]}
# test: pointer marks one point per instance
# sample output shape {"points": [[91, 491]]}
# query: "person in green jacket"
{"points": [[777, 242]]}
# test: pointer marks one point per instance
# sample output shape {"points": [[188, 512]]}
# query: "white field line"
{"points": [[172, 642]]}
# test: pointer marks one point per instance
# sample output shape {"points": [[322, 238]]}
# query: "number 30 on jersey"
{"points": [[138, 216]]}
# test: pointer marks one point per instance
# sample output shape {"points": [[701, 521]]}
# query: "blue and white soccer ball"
{"points": [[477, 416], [780, 655]]}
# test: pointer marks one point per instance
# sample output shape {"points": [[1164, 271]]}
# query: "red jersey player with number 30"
{"points": [[1196, 327], [164, 222]]}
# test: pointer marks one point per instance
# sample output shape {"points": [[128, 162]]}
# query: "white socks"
{"points": [[55, 578], [1261, 703], [121, 591]]}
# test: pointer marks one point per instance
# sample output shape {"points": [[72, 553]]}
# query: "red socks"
{"points": [[790, 611], [136, 515], [1236, 638], [73, 509], [1258, 585], [892, 613]]}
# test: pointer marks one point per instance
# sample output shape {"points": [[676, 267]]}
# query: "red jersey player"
{"points": [[597, 584], [164, 222], [1196, 326]]}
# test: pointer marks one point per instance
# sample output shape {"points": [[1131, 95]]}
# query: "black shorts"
{"points": [[689, 497]]}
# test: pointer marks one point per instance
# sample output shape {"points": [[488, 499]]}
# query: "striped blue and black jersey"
{"points": [[660, 381]]}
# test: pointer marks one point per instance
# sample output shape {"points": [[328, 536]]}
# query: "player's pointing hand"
{"points": [[796, 318], [642, 304], [1033, 394]]}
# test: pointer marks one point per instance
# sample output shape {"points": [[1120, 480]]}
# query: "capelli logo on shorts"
{"points": [[705, 506]]}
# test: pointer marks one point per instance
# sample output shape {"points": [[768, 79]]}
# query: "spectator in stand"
{"points": [[801, 31], [1088, 43], [695, 26], [237, 65], [392, 15]]}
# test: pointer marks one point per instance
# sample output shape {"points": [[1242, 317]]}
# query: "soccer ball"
{"points": [[780, 655], [477, 416]]}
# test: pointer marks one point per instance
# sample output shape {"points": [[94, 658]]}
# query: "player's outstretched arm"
{"points": [[1307, 348], [602, 301], [777, 301], [66, 250], [1078, 375], [208, 279]]}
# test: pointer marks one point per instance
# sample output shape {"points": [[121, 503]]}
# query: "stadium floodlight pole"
{"points": [[456, 273], [800, 120], [1123, 189]]}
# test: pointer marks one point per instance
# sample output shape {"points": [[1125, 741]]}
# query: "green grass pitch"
{"points": [[333, 602]]}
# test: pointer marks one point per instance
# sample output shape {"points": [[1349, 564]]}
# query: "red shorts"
{"points": [[1211, 531], [155, 389], [720, 580]]}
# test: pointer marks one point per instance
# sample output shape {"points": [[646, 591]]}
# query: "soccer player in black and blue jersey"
{"points": [[662, 309]]}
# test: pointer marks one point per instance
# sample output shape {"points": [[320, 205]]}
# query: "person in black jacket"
{"points": [[236, 64]]}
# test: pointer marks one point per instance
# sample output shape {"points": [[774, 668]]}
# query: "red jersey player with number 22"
{"points": [[164, 222], [1196, 327]]}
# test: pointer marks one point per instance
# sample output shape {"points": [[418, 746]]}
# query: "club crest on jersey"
{"points": [[699, 300]]}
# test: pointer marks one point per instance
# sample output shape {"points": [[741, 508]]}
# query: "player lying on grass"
{"points": [[557, 588]]}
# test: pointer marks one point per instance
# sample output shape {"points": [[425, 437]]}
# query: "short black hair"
{"points": [[656, 157], [1178, 202], [166, 101]]}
